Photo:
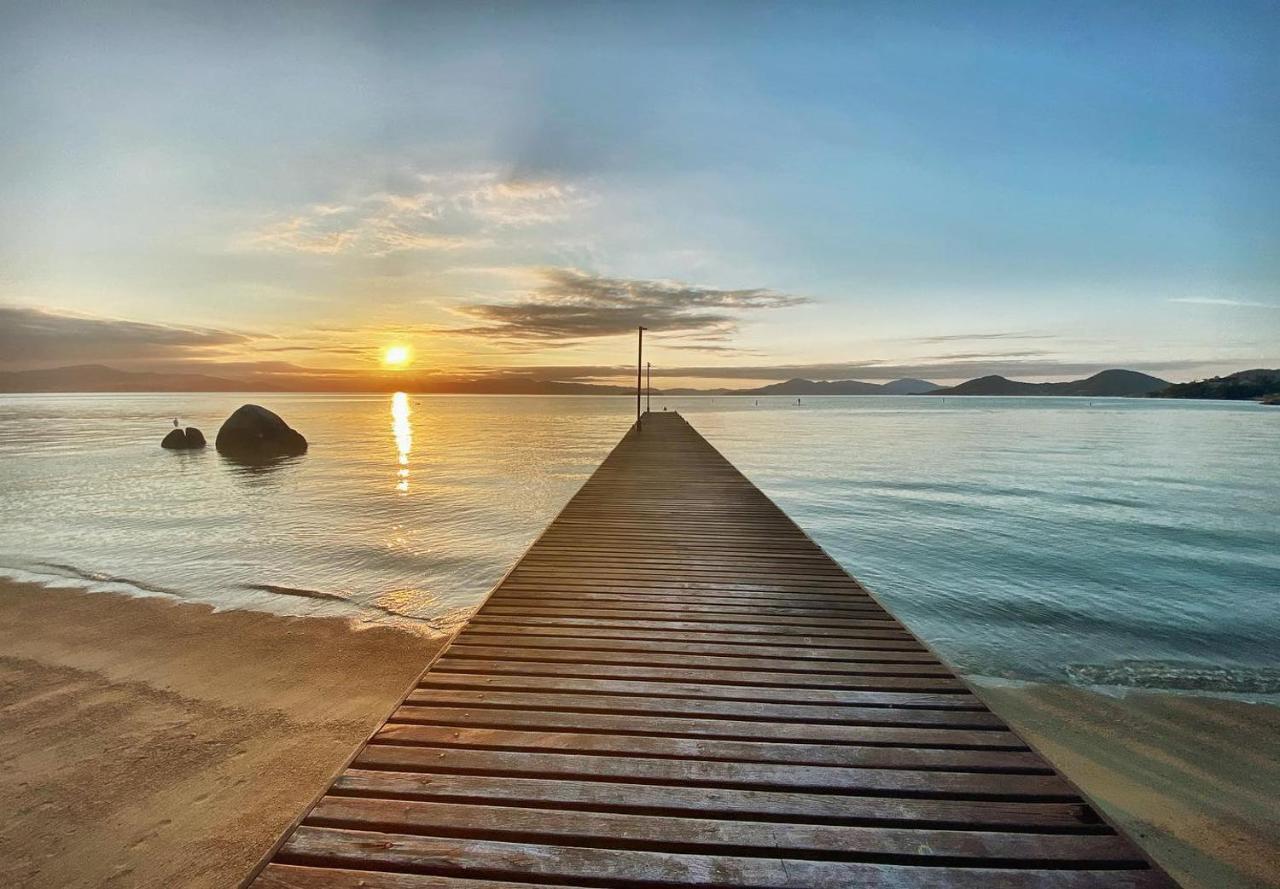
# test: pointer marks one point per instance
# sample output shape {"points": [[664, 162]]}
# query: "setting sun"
{"points": [[396, 356]]}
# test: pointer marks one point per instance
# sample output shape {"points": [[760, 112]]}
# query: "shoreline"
{"points": [[149, 743]]}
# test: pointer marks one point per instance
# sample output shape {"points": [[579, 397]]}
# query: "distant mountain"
{"points": [[1107, 384], [909, 386], [100, 378], [1244, 385], [840, 387]]}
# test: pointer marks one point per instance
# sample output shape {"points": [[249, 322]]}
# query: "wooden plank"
{"points": [[502, 860], [675, 686], [873, 631], [847, 691], [902, 845], [290, 876], [707, 662], [690, 615], [691, 603], [797, 640], [686, 772], [480, 709], [871, 676], [697, 802], [476, 636], [715, 749], [853, 709]]}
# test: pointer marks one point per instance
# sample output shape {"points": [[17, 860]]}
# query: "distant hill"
{"points": [[100, 378], [909, 386], [1244, 385], [840, 387], [1107, 384]]}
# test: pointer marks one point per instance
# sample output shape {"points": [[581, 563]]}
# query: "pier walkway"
{"points": [[675, 686]]}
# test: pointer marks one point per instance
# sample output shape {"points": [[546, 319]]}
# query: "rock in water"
{"points": [[189, 439], [255, 433]]}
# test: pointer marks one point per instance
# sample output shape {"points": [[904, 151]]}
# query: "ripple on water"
{"points": [[1134, 543]]}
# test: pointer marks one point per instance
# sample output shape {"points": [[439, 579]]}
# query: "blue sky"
{"points": [[862, 190]]}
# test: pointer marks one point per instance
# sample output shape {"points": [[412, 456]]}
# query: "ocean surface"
{"points": [[1106, 542]]}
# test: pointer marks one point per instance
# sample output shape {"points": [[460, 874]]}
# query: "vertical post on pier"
{"points": [[639, 364], [648, 387]]}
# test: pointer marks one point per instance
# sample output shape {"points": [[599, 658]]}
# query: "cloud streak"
{"points": [[431, 213], [31, 336], [1002, 335], [573, 305], [1236, 303]]}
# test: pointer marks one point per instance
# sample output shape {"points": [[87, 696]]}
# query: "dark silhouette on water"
{"points": [[179, 439], [255, 435]]}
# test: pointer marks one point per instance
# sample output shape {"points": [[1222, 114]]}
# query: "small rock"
{"points": [[189, 439]]}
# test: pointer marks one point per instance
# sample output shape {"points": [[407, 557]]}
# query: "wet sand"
{"points": [[1194, 780], [149, 744]]}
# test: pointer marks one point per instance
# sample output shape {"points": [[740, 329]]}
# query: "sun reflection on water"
{"points": [[403, 433]]}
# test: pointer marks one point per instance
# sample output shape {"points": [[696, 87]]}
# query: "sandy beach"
{"points": [[149, 744], [1193, 780]]}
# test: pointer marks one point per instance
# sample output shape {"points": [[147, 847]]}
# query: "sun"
{"points": [[396, 357]]}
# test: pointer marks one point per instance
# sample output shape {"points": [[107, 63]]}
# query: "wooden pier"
{"points": [[675, 686]]}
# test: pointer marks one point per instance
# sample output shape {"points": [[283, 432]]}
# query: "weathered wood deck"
{"points": [[675, 686]]}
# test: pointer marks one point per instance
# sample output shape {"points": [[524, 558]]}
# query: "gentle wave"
{"points": [[1172, 675], [278, 590], [1133, 543]]}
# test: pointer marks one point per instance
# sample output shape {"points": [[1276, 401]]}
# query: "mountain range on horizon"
{"points": [[1114, 383], [1105, 384]]}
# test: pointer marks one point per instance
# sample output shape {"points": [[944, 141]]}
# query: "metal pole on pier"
{"points": [[639, 364], [648, 387]]}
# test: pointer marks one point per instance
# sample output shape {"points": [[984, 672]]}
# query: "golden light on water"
{"points": [[403, 434], [396, 357]]}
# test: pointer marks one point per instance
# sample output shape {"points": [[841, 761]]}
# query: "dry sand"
{"points": [[148, 744], [1196, 781]]}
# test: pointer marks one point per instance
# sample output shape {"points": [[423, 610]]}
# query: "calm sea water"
{"points": [[1109, 542]]}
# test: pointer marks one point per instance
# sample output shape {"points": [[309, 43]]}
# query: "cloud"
{"points": [[430, 213], [1238, 303], [1002, 335], [522, 203], [572, 305], [33, 336]]}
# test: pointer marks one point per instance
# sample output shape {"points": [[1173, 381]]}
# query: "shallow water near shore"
{"points": [[1107, 542]]}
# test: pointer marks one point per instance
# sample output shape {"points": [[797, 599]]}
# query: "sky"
{"points": [[855, 190]]}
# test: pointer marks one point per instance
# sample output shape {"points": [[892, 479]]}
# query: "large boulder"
{"points": [[188, 439], [255, 433]]}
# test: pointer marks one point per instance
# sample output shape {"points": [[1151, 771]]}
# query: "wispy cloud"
{"points": [[1238, 303], [1000, 335], [32, 336], [572, 305], [431, 213]]}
